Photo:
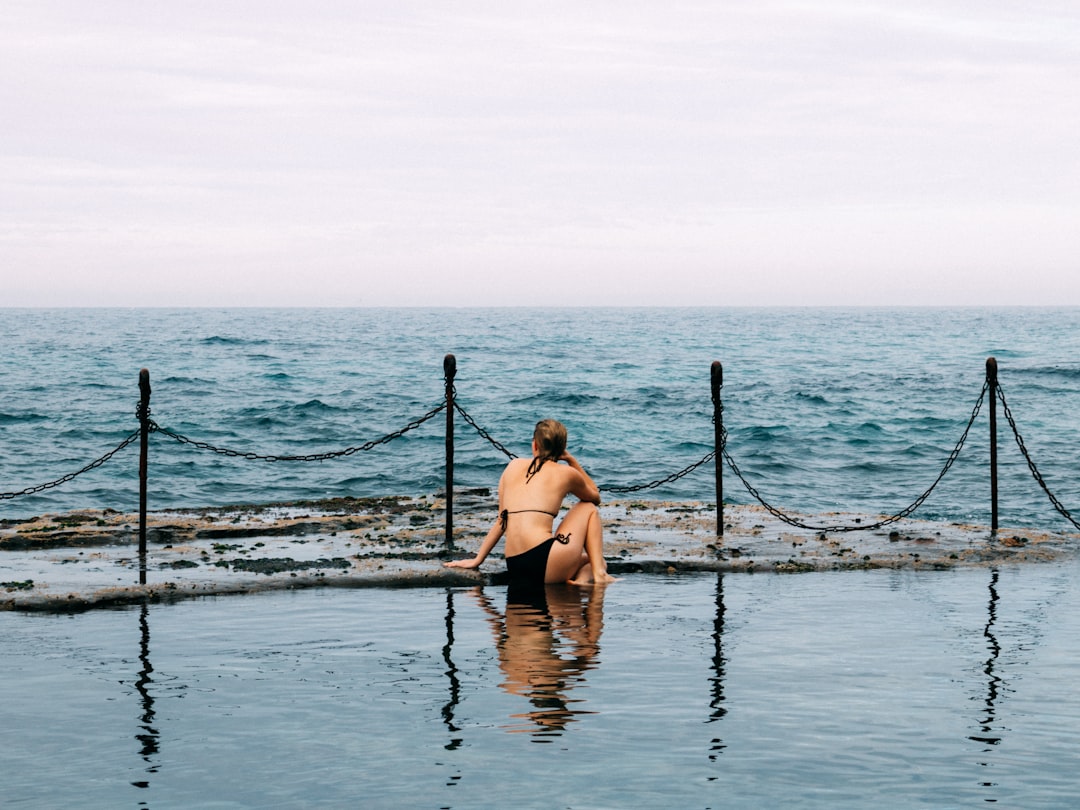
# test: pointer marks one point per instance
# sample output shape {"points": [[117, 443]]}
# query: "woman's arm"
{"points": [[494, 534], [583, 486]]}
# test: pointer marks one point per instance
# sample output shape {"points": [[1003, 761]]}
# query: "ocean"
{"points": [[903, 688], [827, 409]]}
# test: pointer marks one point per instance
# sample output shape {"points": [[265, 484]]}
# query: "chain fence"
{"points": [[903, 513], [143, 412], [774, 511]]}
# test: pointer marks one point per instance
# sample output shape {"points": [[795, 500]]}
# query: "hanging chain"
{"points": [[685, 471], [5, 496], [1031, 464], [616, 490], [224, 451], [143, 413], [483, 433], [903, 513]]}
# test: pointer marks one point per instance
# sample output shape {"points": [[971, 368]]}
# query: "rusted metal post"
{"points": [[718, 442], [144, 448], [991, 380], [450, 371]]}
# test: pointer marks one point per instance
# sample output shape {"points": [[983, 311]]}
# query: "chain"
{"points": [[1031, 464], [224, 451], [156, 428], [903, 513], [717, 413], [483, 433], [673, 477], [6, 496], [617, 490]]}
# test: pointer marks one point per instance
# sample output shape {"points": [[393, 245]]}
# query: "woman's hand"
{"points": [[473, 563]]}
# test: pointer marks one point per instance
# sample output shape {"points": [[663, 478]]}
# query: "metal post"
{"points": [[144, 448], [718, 443], [991, 379], [450, 371]]}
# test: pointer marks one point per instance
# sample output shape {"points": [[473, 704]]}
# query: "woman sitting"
{"points": [[531, 493]]}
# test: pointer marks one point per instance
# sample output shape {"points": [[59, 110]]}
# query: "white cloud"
{"points": [[777, 152]]}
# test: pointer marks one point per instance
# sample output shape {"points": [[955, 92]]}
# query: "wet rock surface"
{"points": [[91, 558]]}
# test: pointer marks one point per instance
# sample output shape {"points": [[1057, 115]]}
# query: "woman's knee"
{"points": [[593, 515], [585, 512], [579, 518]]}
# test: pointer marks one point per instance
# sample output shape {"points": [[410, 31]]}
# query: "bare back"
{"points": [[531, 504]]}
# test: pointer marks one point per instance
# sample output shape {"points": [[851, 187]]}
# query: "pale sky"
{"points": [[277, 152]]}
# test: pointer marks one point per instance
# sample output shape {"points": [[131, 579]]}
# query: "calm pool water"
{"points": [[854, 689]]}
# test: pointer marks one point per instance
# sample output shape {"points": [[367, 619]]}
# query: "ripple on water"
{"points": [[895, 688]]}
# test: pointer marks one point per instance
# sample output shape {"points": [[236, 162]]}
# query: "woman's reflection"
{"points": [[548, 638]]}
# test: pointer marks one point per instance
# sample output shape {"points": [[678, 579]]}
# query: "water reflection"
{"points": [[147, 735], [986, 726], [451, 674], [547, 639], [716, 703], [253, 669], [987, 734]]}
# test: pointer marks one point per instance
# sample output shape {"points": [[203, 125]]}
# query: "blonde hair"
{"points": [[550, 438]]}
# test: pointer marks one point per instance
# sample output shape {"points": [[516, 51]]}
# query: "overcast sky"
{"points": [[268, 152]]}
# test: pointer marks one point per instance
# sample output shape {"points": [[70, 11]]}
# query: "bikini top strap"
{"points": [[504, 515]]}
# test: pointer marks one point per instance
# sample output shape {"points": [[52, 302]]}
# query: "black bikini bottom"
{"points": [[530, 566]]}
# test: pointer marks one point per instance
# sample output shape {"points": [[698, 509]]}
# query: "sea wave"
{"points": [[21, 418], [229, 340], [1062, 371], [638, 409], [199, 382]]}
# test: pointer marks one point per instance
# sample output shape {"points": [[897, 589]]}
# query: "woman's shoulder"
{"points": [[560, 476], [514, 466]]}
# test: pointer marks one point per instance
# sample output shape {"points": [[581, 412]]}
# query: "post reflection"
{"points": [[716, 702], [547, 639], [986, 725], [147, 735], [452, 674]]}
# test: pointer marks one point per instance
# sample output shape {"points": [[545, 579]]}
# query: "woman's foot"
{"points": [[586, 576]]}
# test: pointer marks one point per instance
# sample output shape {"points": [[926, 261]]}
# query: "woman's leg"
{"points": [[582, 559]]}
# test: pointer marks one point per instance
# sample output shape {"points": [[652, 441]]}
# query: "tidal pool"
{"points": [[850, 689]]}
